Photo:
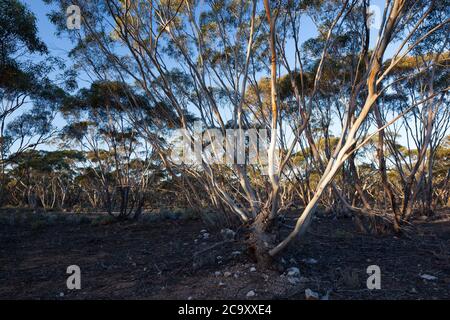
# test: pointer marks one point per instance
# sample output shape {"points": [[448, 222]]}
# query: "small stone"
{"points": [[252, 269], [206, 235], [293, 272], [203, 231], [413, 290], [221, 284], [310, 261], [61, 294], [189, 298], [428, 277], [311, 295], [227, 274], [283, 261], [293, 261], [250, 294], [219, 258], [217, 273], [235, 253], [228, 234]]}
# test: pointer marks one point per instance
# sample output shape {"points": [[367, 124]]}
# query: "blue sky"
{"points": [[57, 45], [60, 45]]}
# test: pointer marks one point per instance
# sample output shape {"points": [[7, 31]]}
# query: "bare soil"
{"points": [[136, 260]]}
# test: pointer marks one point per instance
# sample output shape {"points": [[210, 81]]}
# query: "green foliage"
{"points": [[18, 28]]}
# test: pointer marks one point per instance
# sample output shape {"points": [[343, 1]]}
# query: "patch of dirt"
{"points": [[129, 260]]}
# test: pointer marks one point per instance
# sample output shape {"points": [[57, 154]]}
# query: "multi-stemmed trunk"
{"points": [[343, 151]]}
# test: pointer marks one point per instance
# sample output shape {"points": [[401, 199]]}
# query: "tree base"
{"points": [[259, 244]]}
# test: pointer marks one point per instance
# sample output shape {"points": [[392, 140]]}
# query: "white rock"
{"points": [[428, 277], [205, 235], [221, 284], [227, 274], [228, 234], [310, 261], [311, 295], [217, 273], [252, 269], [219, 257], [61, 294], [250, 294], [203, 231], [189, 298], [293, 272], [236, 253]]}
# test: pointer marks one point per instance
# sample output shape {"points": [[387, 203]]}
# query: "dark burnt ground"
{"points": [[154, 261]]}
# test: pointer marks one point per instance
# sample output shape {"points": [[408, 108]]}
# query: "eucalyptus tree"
{"points": [[98, 125], [441, 174], [200, 57], [29, 98], [43, 179], [424, 128], [189, 87], [424, 73], [410, 23]]}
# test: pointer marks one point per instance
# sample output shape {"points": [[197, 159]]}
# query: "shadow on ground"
{"points": [[154, 261]]}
